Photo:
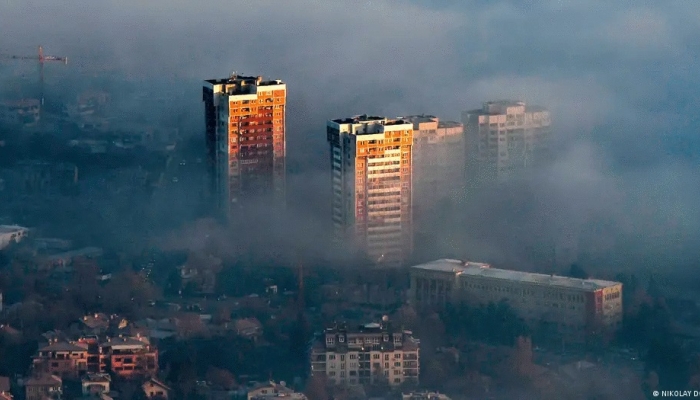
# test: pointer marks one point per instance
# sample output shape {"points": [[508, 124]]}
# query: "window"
{"points": [[331, 357], [353, 356], [375, 356], [330, 340]]}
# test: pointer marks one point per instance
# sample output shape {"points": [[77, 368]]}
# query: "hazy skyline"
{"points": [[620, 83]]}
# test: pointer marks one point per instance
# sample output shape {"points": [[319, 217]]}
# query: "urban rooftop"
{"points": [[480, 269]]}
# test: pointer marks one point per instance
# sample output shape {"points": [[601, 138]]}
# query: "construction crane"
{"points": [[41, 58]]}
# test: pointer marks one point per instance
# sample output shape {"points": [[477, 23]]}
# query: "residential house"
{"points": [[156, 389], [96, 384], [128, 357], [43, 386], [249, 328], [274, 391], [64, 359]]}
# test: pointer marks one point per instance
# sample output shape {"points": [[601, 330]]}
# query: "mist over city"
{"points": [[115, 161]]}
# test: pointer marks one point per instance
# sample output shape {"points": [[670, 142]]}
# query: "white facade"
{"points": [[506, 136], [371, 354]]}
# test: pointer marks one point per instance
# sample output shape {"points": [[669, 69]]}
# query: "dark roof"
{"points": [[63, 346], [44, 380]]}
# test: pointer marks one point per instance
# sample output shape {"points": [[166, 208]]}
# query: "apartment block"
{"points": [[572, 308], [63, 359], [126, 357], [438, 164], [371, 183], [506, 137], [129, 357], [25, 112], [245, 136], [368, 354]]}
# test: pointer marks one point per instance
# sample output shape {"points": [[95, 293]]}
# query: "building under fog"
{"points": [[572, 308], [438, 165], [245, 135], [506, 137], [371, 183], [25, 112]]}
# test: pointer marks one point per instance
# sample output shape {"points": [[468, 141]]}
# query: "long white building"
{"points": [[575, 308]]}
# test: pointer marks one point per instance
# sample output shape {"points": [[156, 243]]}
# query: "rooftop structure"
{"points": [[274, 391], [480, 269]]}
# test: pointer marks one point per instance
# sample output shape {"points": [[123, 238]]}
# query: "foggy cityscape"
{"points": [[468, 200]]}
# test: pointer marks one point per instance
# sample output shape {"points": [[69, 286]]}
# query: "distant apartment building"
{"points": [[371, 183], [39, 177], [245, 135], [506, 137], [438, 164], [63, 359], [572, 308], [126, 357], [129, 357], [25, 112], [10, 234], [368, 354]]}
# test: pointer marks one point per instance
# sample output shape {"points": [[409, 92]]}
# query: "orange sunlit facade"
{"points": [[371, 180], [245, 128]]}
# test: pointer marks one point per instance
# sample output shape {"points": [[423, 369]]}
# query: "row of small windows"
{"points": [[397, 356], [612, 296], [576, 298]]}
